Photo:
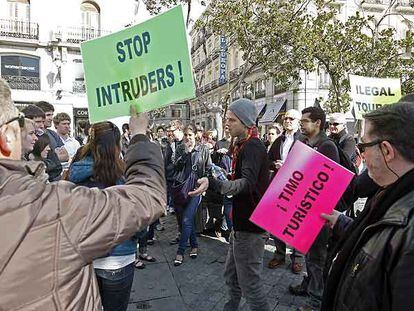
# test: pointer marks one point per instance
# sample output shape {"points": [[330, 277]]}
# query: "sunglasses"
{"points": [[20, 119], [362, 146], [289, 119], [334, 123]]}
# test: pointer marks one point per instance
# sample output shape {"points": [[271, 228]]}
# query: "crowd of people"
{"points": [[77, 214]]}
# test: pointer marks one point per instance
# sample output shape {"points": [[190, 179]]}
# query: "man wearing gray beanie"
{"points": [[250, 177]]}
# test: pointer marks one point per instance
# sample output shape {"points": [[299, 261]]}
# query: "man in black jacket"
{"points": [[277, 155], [373, 269], [250, 177], [312, 124], [339, 133]]}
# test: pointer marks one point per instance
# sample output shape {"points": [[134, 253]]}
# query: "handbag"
{"points": [[180, 189]]}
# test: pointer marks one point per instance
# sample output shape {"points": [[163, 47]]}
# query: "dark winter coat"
{"points": [[250, 183], [379, 277]]}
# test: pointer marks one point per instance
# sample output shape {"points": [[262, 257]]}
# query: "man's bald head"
{"points": [[7, 108], [10, 138]]}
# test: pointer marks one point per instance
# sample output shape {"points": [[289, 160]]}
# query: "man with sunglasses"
{"points": [[339, 133], [373, 268], [51, 232], [277, 155]]}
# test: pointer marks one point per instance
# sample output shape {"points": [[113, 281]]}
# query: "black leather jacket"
{"points": [[203, 160], [380, 275]]}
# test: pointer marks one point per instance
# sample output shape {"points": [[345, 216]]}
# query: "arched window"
{"points": [[19, 10], [90, 15]]}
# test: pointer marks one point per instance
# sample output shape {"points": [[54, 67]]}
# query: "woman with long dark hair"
{"points": [[99, 164]]}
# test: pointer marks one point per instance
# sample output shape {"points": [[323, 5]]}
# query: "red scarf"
{"points": [[236, 148]]}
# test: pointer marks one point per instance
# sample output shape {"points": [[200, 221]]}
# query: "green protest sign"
{"points": [[147, 65], [370, 93]]}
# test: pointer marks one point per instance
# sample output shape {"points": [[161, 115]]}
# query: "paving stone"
{"points": [[163, 304], [198, 285], [153, 282]]}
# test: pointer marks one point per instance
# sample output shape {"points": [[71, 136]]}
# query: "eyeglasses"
{"points": [[362, 146], [270, 133], [334, 123], [20, 119]]}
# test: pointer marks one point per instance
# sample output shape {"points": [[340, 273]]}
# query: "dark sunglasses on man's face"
{"points": [[289, 119], [20, 119], [362, 146], [334, 123]]}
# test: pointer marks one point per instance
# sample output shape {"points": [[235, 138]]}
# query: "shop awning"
{"points": [[272, 110]]}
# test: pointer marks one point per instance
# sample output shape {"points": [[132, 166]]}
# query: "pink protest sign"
{"points": [[307, 185]]}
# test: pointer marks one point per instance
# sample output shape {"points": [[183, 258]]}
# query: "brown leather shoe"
{"points": [[275, 262], [297, 268]]}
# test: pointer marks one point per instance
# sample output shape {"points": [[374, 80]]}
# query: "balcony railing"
{"points": [[200, 65], [214, 84], [78, 87], [234, 74], [377, 1], [80, 34], [207, 87], [22, 83], [404, 3], [19, 29]]}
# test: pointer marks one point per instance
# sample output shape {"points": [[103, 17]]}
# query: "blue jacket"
{"points": [[81, 173]]}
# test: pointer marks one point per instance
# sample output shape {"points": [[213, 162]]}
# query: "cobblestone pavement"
{"points": [[198, 284]]}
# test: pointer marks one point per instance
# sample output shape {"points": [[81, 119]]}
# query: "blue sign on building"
{"points": [[223, 60]]}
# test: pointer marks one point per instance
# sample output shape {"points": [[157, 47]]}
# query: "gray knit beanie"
{"points": [[245, 110]]}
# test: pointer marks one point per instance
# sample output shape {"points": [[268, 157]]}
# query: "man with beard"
{"points": [[312, 125], [249, 181]]}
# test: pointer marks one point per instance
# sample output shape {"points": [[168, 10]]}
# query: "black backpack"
{"points": [[346, 202]]}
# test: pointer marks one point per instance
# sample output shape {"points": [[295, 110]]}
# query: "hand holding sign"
{"points": [[331, 219], [138, 122], [306, 185]]}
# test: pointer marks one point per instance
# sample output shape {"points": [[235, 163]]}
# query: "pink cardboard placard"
{"points": [[307, 185]]}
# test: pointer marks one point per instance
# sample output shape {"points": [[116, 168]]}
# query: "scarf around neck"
{"points": [[252, 132]]}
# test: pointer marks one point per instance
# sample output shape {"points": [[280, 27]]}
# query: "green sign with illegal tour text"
{"points": [[147, 65], [369, 93]]}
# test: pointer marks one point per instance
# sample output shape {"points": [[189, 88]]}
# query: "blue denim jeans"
{"points": [[151, 230], [228, 205], [115, 287], [188, 225], [169, 196], [142, 241]]}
